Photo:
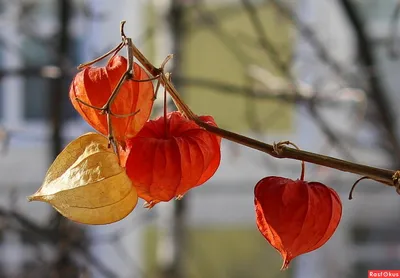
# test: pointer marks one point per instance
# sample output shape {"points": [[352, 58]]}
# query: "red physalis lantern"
{"points": [[94, 85], [296, 216], [171, 155]]}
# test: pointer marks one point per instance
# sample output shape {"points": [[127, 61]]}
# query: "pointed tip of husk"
{"points": [[33, 198], [179, 197], [148, 205], [38, 197], [285, 264]]}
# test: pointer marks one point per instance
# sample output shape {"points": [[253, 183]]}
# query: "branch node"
{"points": [[396, 181], [278, 148]]}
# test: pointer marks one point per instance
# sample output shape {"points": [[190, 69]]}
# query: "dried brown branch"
{"points": [[385, 176]]}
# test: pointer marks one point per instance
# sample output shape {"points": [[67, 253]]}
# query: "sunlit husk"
{"points": [[94, 85], [296, 217], [86, 184], [170, 156]]}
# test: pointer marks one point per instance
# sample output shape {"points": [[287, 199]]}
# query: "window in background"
{"points": [[377, 10], [39, 51], [38, 90], [378, 245]]}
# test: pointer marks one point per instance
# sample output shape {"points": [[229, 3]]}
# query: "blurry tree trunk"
{"points": [[58, 83], [171, 229], [63, 266], [377, 90]]}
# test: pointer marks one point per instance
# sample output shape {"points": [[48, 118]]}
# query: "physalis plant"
{"points": [[98, 177]]}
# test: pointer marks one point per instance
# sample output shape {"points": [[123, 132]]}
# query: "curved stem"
{"points": [[354, 186], [89, 105], [124, 115], [145, 80]]}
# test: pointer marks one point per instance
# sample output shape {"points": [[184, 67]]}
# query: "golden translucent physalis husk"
{"points": [[86, 184]]}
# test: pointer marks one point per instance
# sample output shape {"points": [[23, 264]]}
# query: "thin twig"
{"points": [[112, 51], [354, 186], [283, 95], [273, 53], [377, 88], [308, 33]]}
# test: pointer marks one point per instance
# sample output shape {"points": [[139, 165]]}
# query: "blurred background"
{"points": [[321, 73]]}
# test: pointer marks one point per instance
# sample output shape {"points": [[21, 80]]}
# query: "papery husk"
{"points": [[86, 183]]}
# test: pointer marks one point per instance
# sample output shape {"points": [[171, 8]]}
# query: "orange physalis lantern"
{"points": [[94, 86], [296, 216], [171, 155]]}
